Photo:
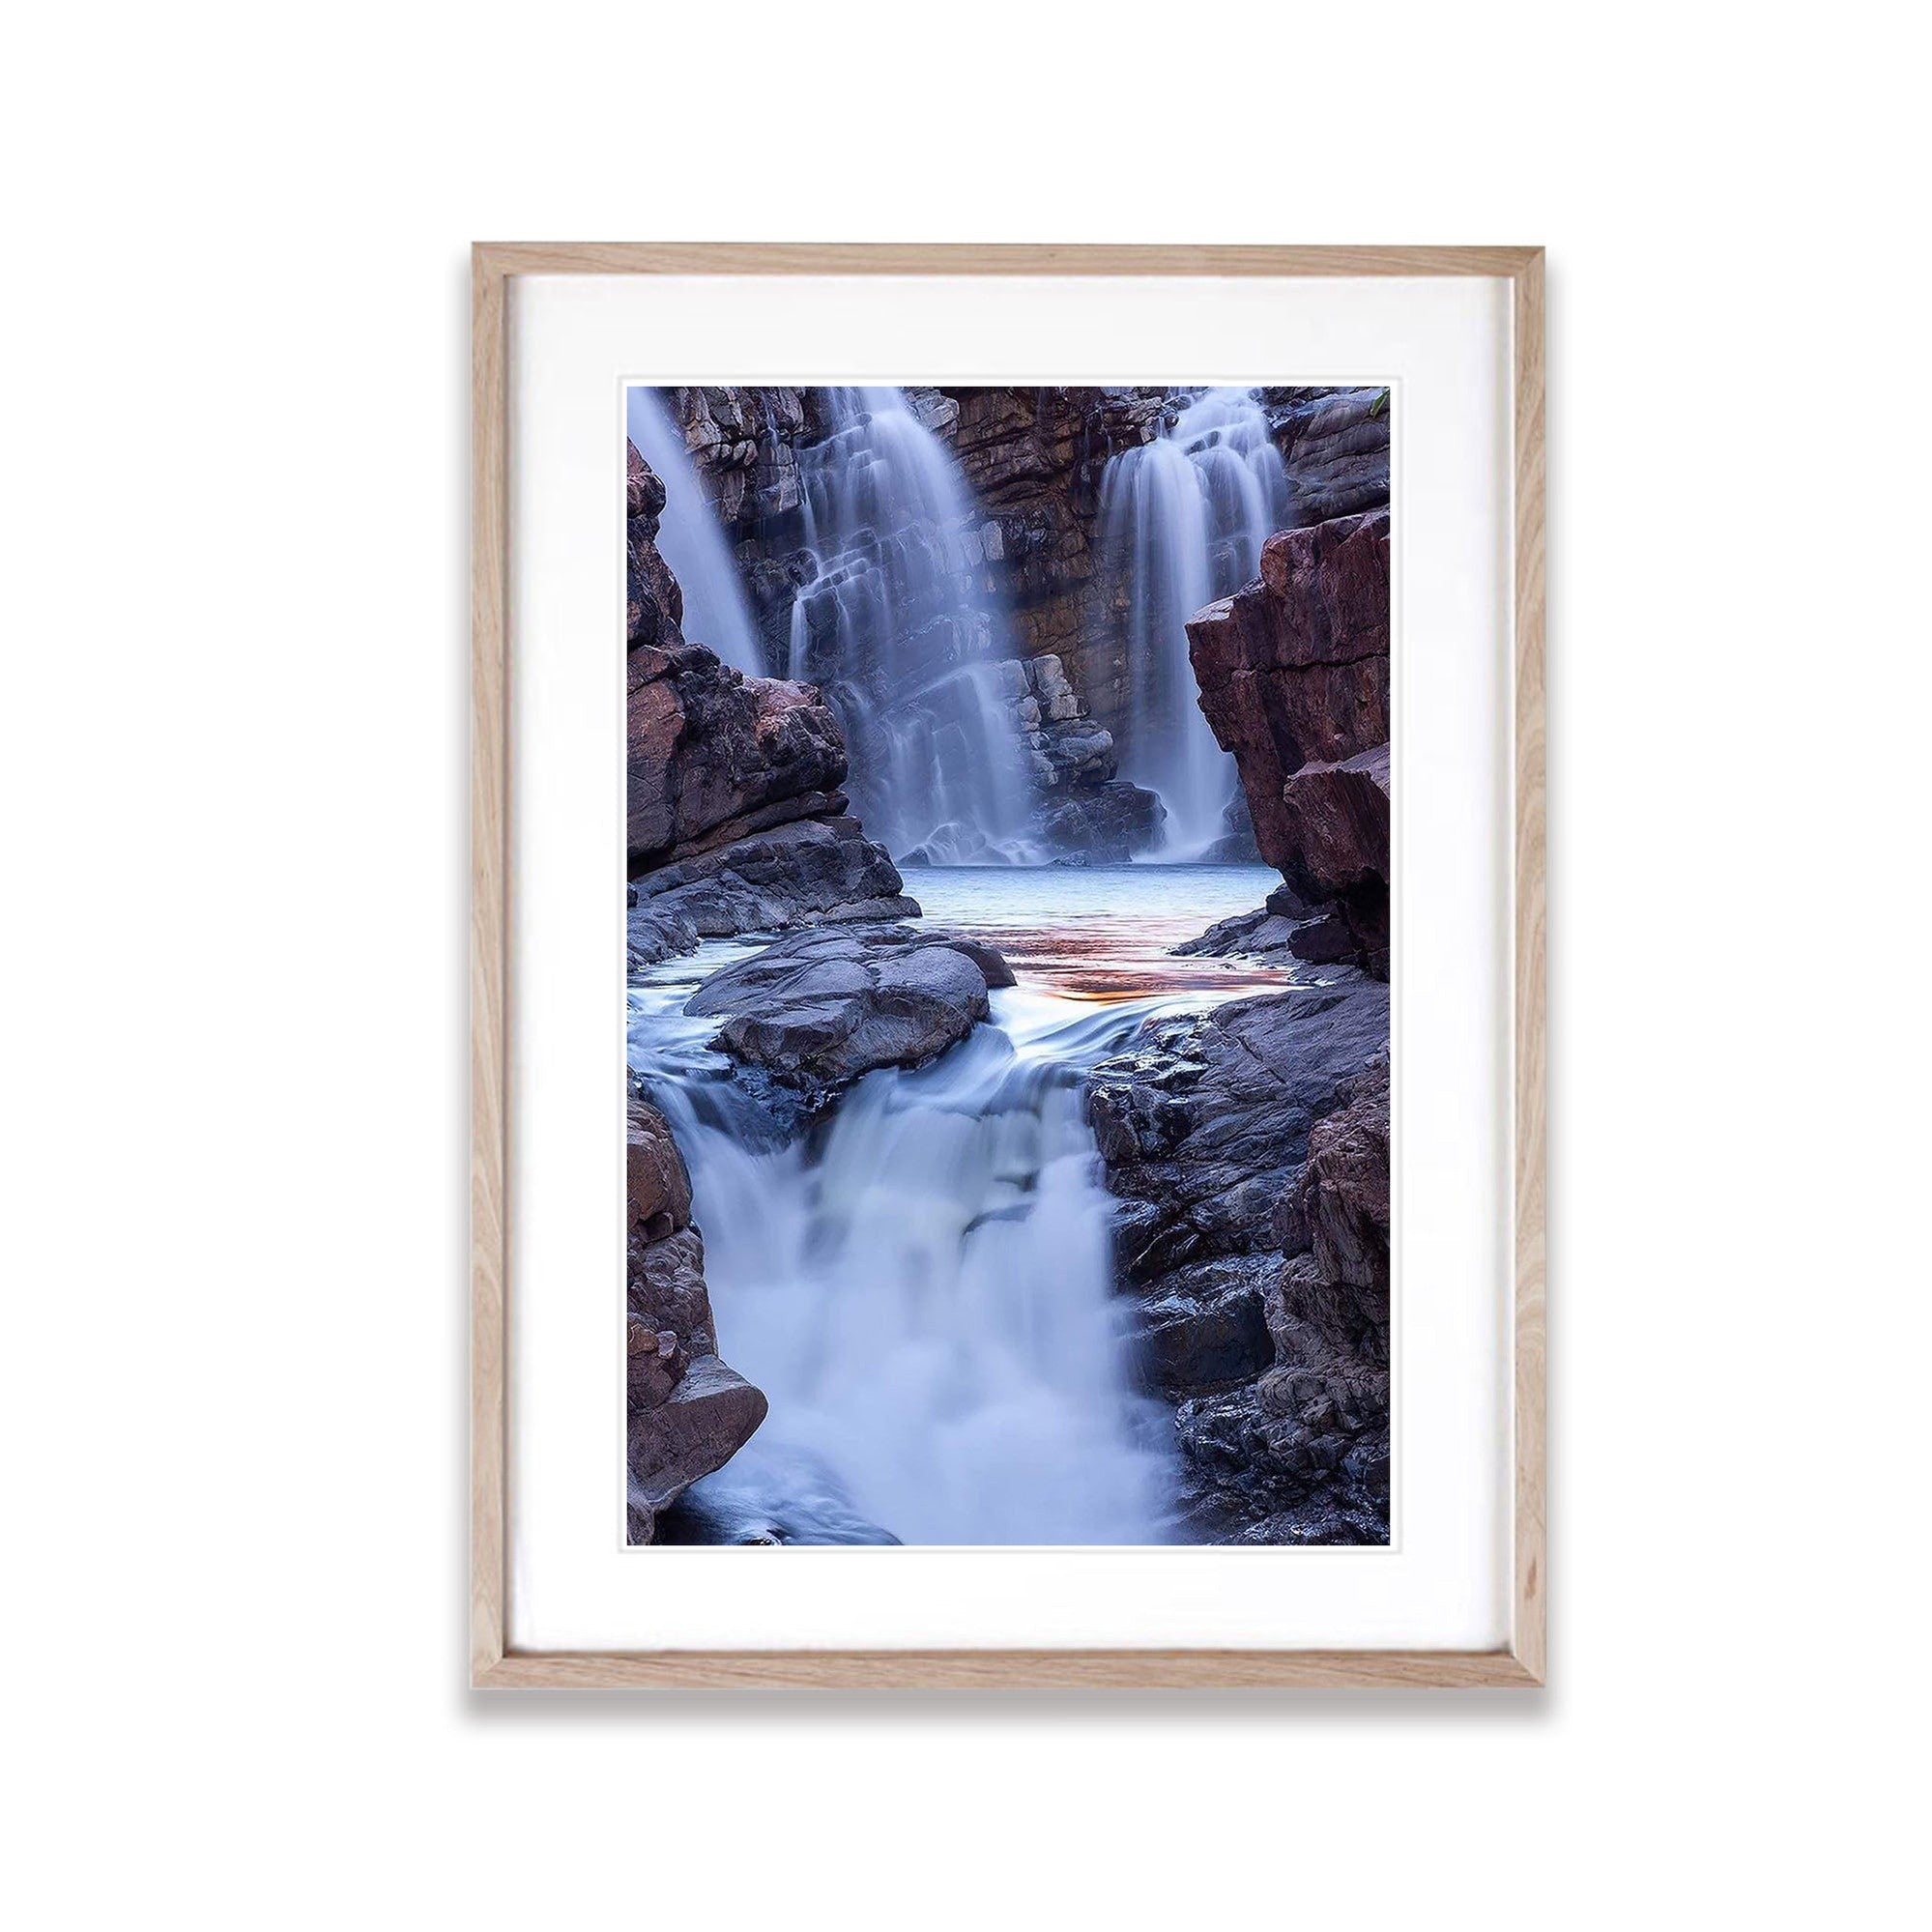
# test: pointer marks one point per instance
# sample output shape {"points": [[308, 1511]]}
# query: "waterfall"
{"points": [[922, 1288], [892, 621], [690, 541], [1182, 522]]}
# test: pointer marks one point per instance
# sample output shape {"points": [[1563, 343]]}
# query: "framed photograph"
{"points": [[1007, 987]]}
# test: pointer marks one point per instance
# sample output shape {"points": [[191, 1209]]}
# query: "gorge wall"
{"points": [[736, 816], [1028, 542]]}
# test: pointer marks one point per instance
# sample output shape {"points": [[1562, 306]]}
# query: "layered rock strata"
{"points": [[687, 1413], [1293, 671]]}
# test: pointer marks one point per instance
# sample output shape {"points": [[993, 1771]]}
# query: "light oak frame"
{"points": [[1521, 1662]]}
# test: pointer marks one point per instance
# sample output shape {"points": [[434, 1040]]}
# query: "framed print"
{"points": [[1007, 985]]}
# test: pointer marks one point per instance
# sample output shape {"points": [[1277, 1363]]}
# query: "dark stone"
{"points": [[802, 872], [1101, 825], [1249, 1152], [821, 1008]]}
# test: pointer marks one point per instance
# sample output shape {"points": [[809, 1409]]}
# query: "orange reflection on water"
{"points": [[1105, 961]]}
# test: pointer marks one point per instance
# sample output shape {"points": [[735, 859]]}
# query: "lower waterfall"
{"points": [[922, 1283]]}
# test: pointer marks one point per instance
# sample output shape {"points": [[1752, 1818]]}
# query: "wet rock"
{"points": [[824, 1007], [709, 1413], [1207, 1328], [654, 934], [1248, 1151], [1338, 821], [1100, 825], [687, 1412], [804, 871], [1205, 1117]]}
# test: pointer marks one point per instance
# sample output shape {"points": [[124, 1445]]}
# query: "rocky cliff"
{"points": [[1293, 671], [736, 820], [687, 1412]]}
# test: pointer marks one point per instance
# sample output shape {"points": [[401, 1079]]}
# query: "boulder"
{"points": [[654, 934], [1100, 825], [799, 873], [821, 1008], [657, 1183]]}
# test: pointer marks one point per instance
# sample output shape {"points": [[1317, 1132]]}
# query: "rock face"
{"points": [[1335, 445], [687, 1413], [1294, 669], [654, 605], [1294, 680], [819, 1009], [736, 820], [1245, 1148]]}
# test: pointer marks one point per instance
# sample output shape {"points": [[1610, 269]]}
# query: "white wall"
{"points": [[232, 795]]}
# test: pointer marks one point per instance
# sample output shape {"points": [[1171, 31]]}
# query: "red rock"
{"points": [[658, 1187], [707, 746], [1337, 818], [1294, 669]]}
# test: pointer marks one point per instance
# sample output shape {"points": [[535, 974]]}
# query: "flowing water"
{"points": [[894, 623], [922, 1286], [691, 541], [1182, 522]]}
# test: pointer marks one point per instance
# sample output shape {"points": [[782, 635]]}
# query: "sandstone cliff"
{"points": [[1293, 671]]}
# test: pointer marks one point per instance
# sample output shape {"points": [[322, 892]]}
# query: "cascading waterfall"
{"points": [[893, 625], [690, 541], [922, 1283], [1182, 522]]}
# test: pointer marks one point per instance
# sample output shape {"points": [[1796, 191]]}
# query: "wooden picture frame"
{"points": [[1521, 1660]]}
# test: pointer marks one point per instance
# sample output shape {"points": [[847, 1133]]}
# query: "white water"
{"points": [[690, 541], [896, 628], [1182, 521], [924, 1291]]}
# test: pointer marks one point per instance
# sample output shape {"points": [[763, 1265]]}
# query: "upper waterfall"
{"points": [[1182, 522], [892, 619], [689, 539]]}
